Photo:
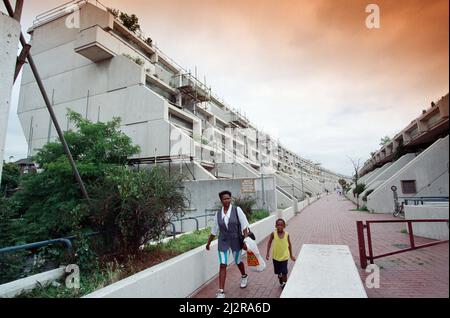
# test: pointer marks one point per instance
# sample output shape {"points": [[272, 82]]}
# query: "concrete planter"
{"points": [[15, 288]]}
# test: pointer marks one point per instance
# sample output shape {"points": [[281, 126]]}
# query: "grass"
{"points": [[185, 243], [362, 209], [88, 284], [258, 215]]}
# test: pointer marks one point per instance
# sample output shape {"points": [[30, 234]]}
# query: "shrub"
{"points": [[135, 207], [245, 203], [367, 194], [10, 179], [360, 188], [136, 60]]}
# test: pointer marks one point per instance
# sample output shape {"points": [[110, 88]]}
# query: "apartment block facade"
{"points": [[92, 64]]}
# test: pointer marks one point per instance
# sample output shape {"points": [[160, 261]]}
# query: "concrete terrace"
{"points": [[420, 273]]}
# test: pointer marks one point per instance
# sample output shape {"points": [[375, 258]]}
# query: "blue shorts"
{"points": [[223, 257], [280, 268]]}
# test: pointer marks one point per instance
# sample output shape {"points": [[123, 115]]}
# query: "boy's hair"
{"points": [[221, 194], [280, 220]]}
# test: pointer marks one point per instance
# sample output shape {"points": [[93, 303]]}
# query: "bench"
{"points": [[324, 271]]}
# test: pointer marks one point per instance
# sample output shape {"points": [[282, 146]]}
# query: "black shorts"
{"points": [[280, 268]]}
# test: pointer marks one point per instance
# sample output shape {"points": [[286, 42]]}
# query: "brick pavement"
{"points": [[420, 273]]}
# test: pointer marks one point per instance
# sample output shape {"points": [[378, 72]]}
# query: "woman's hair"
{"points": [[221, 194]]}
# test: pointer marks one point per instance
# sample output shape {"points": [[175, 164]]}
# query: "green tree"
{"points": [[131, 22], [10, 178], [359, 188], [385, 140], [50, 202], [345, 186]]}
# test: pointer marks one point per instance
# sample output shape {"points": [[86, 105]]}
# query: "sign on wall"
{"points": [[248, 186]]}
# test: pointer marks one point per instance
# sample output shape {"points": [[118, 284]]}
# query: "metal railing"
{"points": [[67, 241], [364, 257], [422, 200], [59, 11], [37, 245], [192, 218]]}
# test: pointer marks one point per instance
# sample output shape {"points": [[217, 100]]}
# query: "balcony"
{"points": [[96, 44], [190, 86], [237, 119]]}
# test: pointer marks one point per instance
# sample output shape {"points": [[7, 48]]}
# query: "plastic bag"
{"points": [[255, 261]]}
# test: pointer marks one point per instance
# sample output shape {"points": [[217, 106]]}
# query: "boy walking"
{"points": [[282, 251]]}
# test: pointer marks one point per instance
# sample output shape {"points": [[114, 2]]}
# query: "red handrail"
{"points": [[363, 257]]}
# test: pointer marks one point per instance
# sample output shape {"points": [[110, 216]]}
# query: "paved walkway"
{"points": [[420, 273]]}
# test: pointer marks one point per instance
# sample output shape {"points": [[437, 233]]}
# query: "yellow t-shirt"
{"points": [[280, 247]]}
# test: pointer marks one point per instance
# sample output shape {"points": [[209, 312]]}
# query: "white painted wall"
{"points": [[9, 44], [204, 194], [429, 169], [437, 231]]}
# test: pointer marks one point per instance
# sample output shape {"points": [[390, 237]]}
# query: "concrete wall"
{"points": [[203, 195], [377, 173], [15, 288], [283, 201], [234, 170], [429, 169], [9, 44], [143, 113], [437, 231], [389, 172], [285, 183]]}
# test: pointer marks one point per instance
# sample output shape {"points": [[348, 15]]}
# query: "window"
{"points": [[409, 186]]}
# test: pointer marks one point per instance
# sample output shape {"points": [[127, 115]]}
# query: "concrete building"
{"points": [[415, 162], [418, 135], [92, 64], [9, 44], [424, 176]]}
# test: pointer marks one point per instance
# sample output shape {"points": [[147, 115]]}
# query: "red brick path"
{"points": [[420, 273]]}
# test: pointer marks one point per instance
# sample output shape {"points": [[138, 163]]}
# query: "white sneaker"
{"points": [[244, 281], [220, 294]]}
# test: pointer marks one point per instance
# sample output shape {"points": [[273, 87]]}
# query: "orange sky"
{"points": [[309, 70]]}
